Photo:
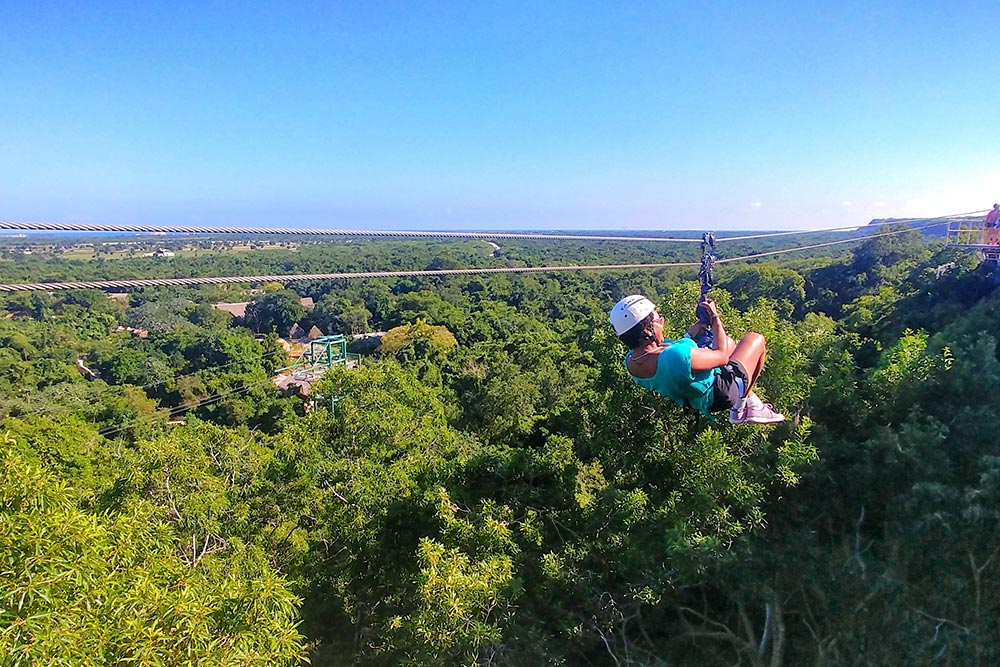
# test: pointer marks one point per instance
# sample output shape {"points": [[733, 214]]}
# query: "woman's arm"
{"points": [[704, 360]]}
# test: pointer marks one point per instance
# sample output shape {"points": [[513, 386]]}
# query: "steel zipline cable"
{"points": [[362, 233], [350, 233], [106, 390], [221, 280], [115, 429], [829, 243], [885, 223], [173, 412], [167, 282]]}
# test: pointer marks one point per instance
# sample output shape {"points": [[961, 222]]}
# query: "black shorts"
{"points": [[725, 389]]}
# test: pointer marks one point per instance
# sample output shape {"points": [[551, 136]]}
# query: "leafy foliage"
{"points": [[110, 588], [490, 486]]}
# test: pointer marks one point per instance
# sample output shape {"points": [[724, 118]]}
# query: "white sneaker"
{"points": [[764, 414]]}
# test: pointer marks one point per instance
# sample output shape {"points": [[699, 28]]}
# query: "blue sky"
{"points": [[412, 115]]}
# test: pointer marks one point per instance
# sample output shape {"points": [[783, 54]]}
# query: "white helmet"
{"points": [[630, 311]]}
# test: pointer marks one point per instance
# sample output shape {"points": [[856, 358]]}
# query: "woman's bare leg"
{"points": [[751, 352], [730, 346]]}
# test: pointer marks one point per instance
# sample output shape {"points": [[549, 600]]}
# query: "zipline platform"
{"points": [[324, 352], [321, 355], [971, 235]]}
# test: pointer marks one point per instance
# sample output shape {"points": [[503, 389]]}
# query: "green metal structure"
{"points": [[325, 352], [322, 354]]}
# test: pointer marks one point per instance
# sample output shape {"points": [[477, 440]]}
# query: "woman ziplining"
{"points": [[707, 379]]}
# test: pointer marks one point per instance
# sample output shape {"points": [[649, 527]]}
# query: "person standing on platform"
{"points": [[990, 231]]}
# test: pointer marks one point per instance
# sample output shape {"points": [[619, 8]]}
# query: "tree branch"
{"points": [[745, 620], [170, 498], [723, 633], [607, 644], [778, 652], [765, 635]]}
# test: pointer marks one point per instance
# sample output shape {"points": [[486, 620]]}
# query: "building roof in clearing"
{"points": [[240, 309], [234, 309]]}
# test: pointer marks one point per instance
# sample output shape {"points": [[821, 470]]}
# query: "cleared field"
{"points": [[88, 253]]}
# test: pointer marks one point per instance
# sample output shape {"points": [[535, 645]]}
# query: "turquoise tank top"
{"points": [[675, 379]]}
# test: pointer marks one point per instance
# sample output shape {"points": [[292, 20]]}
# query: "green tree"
{"points": [[84, 588], [783, 287], [419, 339], [274, 311]]}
